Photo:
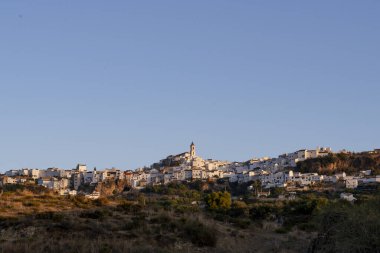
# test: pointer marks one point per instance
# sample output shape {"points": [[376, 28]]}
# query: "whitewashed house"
{"points": [[34, 173], [196, 173], [351, 183]]}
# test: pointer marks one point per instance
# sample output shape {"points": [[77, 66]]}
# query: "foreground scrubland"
{"points": [[194, 217]]}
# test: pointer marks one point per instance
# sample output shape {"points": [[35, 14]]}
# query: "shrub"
{"points": [[200, 234], [239, 209], [241, 223], [30, 203], [162, 218], [80, 200], [262, 212], [93, 215], [50, 216], [130, 207], [137, 222], [219, 200], [347, 228], [101, 202], [282, 230]]}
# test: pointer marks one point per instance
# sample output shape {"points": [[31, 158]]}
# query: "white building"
{"points": [[91, 177], [7, 180], [351, 183], [196, 173], [94, 195], [347, 196], [54, 172], [81, 168], [77, 179], [34, 173], [12, 173]]}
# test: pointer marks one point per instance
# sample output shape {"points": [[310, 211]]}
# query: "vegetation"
{"points": [[193, 217], [341, 162], [346, 228], [219, 200]]}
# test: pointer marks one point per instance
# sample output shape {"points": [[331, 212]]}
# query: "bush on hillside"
{"points": [[218, 200], [347, 228]]}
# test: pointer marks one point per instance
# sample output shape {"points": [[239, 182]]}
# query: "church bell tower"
{"points": [[192, 149]]}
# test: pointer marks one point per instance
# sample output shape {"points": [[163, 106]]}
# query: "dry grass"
{"points": [[109, 230], [49, 223], [14, 203]]}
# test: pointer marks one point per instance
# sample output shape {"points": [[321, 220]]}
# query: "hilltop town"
{"points": [[189, 204], [280, 172]]}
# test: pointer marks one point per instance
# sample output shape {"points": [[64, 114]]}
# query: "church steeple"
{"points": [[192, 149]]}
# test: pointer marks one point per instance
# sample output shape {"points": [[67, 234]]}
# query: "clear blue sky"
{"points": [[125, 83]]}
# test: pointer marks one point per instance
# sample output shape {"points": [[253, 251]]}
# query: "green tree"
{"points": [[219, 200], [257, 186], [239, 209]]}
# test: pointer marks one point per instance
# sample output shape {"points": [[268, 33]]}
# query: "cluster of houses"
{"points": [[290, 178], [272, 172], [287, 160], [187, 166], [65, 182]]}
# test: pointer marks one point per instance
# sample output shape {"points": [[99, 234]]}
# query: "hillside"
{"points": [[163, 219], [193, 217], [351, 163]]}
